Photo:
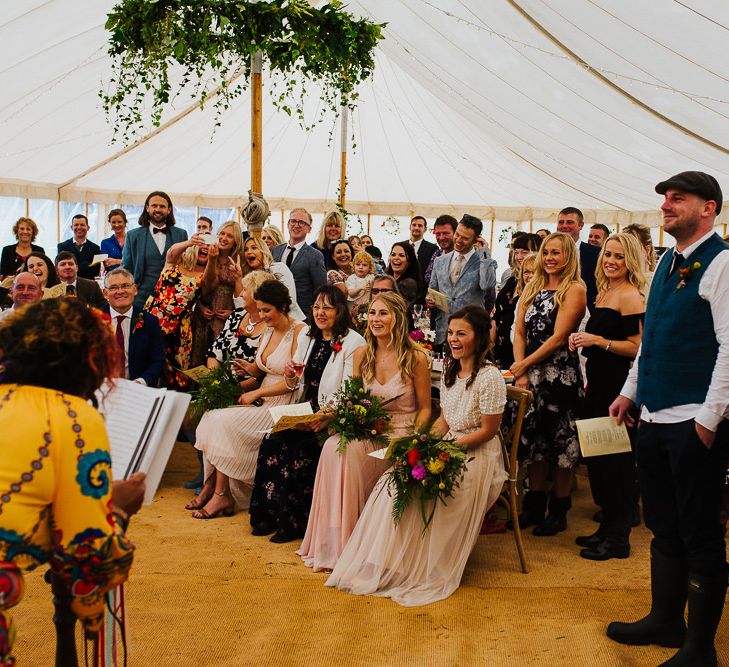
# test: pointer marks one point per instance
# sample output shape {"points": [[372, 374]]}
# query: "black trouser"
{"points": [[612, 481], [682, 483]]}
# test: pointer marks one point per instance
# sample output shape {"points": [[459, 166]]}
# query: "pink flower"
{"points": [[418, 472]]}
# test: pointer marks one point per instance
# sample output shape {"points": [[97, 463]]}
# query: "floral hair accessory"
{"points": [[685, 273]]}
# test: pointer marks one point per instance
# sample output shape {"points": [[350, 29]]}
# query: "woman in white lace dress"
{"points": [[403, 563]]}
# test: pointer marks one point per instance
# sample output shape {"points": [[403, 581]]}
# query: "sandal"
{"points": [[193, 505], [204, 514]]}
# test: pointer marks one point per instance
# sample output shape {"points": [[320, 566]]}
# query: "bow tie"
{"points": [[160, 230]]}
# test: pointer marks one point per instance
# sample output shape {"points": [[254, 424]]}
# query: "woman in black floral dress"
{"points": [[550, 309], [287, 460]]}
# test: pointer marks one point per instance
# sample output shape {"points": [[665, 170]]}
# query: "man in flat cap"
{"points": [[681, 381]]}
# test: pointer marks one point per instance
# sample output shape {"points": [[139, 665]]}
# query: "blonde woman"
{"points": [[609, 343], [332, 228], [272, 236], [643, 234], [550, 309], [394, 367]]}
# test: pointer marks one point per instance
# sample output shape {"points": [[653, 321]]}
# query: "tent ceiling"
{"points": [[511, 108]]}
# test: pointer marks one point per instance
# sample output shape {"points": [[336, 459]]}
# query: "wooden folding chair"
{"points": [[523, 398]]}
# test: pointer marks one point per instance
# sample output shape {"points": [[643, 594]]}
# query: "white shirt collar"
{"points": [[298, 245], [467, 256], [416, 245], [113, 313]]}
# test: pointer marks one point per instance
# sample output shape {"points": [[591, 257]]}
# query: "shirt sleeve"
{"points": [[491, 391], [630, 387]]}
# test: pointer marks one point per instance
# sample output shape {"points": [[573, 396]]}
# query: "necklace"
{"points": [[251, 325]]}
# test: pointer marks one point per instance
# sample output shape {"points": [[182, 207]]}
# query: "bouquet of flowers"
{"points": [[218, 389], [423, 337], [358, 415], [426, 467]]}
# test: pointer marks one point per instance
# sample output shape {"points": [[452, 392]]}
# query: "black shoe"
{"points": [[533, 510], [664, 625], [705, 604], [590, 541], [263, 528], [606, 551], [556, 520], [283, 536]]}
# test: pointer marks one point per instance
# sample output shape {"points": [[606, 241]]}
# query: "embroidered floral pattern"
{"points": [[94, 473]]}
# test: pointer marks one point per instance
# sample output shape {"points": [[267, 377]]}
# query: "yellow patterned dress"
{"points": [[55, 502]]}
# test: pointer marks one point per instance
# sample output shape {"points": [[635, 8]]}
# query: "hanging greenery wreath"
{"points": [[161, 49]]}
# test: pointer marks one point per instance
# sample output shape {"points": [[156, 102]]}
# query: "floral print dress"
{"points": [[549, 432]]}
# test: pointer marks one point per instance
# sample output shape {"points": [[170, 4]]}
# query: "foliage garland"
{"points": [[162, 48]]}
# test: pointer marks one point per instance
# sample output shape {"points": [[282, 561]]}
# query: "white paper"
{"points": [[378, 453], [601, 436], [98, 259]]}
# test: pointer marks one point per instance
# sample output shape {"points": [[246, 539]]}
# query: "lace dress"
{"points": [[287, 461], [171, 303], [549, 432], [344, 481], [229, 439], [405, 564]]}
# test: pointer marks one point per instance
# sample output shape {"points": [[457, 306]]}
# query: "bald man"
{"points": [[26, 289]]}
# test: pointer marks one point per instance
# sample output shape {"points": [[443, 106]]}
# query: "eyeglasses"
{"points": [[378, 290], [118, 288], [298, 223], [325, 308]]}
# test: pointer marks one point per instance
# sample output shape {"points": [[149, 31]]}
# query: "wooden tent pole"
{"points": [[369, 215], [491, 236], [343, 118], [660, 236], [256, 128]]}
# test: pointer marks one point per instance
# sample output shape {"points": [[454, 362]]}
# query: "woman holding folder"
{"points": [[610, 342]]}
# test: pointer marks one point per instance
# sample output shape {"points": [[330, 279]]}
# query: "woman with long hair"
{"points": [[405, 563], [13, 256], [340, 266], [609, 343], [403, 266], [43, 268], [550, 309], [272, 236], [643, 234], [287, 460], [59, 504], [394, 368], [332, 228]]}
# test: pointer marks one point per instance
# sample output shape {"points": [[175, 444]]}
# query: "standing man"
{"points": [[424, 250], [83, 249], [680, 379], [571, 221], [464, 275], [443, 229], [305, 262], [138, 334], [598, 235], [26, 289], [146, 247], [204, 225], [85, 290]]}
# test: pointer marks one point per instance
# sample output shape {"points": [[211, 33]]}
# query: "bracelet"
{"points": [[121, 518], [288, 386], [607, 347]]}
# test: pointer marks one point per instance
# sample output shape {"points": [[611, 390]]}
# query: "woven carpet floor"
{"points": [[208, 593]]}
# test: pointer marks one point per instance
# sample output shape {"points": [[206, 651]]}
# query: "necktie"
{"points": [[120, 342], [160, 230], [290, 256], [70, 290], [456, 267], [677, 261]]}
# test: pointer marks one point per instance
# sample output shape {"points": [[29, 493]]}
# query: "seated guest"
{"points": [[13, 256], [82, 249], [138, 335], [41, 267], [404, 562], [395, 369], [59, 503], [229, 439], [114, 245], [26, 289], [71, 284], [287, 460]]}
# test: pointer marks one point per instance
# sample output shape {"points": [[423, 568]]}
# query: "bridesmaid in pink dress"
{"points": [[392, 366]]}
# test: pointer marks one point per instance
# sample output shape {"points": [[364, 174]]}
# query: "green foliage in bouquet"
{"points": [[358, 415], [219, 389], [425, 467]]}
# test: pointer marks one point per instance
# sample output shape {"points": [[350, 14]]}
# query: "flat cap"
{"points": [[695, 182]]}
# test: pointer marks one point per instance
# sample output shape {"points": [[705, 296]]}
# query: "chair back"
{"points": [[523, 399]]}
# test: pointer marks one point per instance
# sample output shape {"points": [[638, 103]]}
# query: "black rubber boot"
{"points": [[532, 511], [197, 481], [664, 625], [556, 520], [706, 597]]}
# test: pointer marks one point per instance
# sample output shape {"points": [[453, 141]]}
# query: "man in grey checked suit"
{"points": [[145, 248], [305, 262], [464, 274]]}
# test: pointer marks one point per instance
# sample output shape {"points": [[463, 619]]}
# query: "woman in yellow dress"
{"points": [[56, 500]]}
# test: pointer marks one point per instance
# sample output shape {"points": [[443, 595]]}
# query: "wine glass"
{"points": [[298, 367], [418, 311]]}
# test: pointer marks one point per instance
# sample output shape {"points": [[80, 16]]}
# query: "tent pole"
{"points": [[660, 236], [283, 221], [343, 156], [256, 127], [58, 215], [369, 216], [27, 207], [491, 236]]}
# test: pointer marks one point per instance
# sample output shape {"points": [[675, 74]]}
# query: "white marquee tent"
{"points": [[508, 109]]}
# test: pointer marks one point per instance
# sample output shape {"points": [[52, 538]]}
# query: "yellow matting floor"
{"points": [[208, 593]]}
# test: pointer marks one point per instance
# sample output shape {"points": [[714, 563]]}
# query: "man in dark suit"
{"points": [[423, 249], [137, 332], [145, 248], [86, 291], [680, 381], [571, 221], [83, 249], [305, 262]]}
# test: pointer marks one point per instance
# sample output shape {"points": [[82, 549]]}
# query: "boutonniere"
{"points": [[336, 344], [685, 273], [139, 321]]}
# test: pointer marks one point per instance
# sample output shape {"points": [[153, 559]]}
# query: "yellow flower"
{"points": [[360, 410], [697, 265], [361, 390], [415, 441], [373, 431], [435, 466], [441, 486]]}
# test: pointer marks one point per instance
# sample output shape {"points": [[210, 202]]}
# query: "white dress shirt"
{"points": [[126, 328], [416, 245], [285, 254], [159, 239], [714, 288]]}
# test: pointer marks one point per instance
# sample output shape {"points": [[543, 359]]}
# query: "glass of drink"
{"points": [[298, 367]]}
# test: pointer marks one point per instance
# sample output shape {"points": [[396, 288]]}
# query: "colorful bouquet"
{"points": [[423, 337], [218, 389], [426, 467], [358, 415]]}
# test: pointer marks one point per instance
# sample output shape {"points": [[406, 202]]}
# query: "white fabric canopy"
{"points": [[509, 109]]}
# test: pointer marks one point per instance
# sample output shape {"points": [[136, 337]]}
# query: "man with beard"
{"points": [[146, 247]]}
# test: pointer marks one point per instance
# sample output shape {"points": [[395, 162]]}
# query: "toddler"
{"points": [[359, 283]]}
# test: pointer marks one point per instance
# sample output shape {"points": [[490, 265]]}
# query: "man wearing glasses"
{"points": [[139, 338], [305, 262]]}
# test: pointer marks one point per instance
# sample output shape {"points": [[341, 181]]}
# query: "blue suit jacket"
{"points": [[146, 350], [588, 264], [478, 276]]}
